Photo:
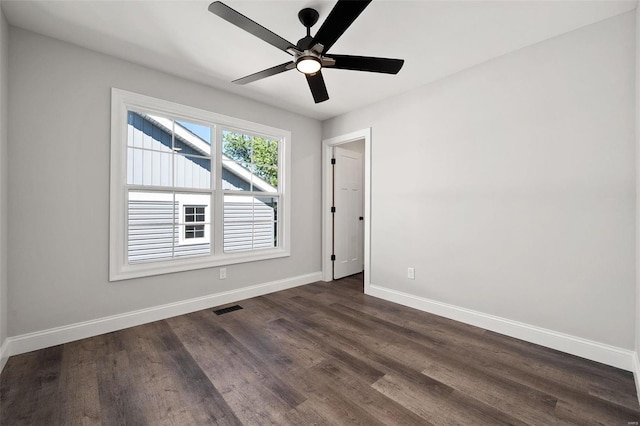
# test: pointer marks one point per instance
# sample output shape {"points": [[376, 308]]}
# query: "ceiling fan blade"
{"points": [[266, 73], [317, 86], [367, 63], [340, 18], [239, 20]]}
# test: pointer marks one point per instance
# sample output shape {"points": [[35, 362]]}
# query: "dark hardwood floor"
{"points": [[324, 353]]}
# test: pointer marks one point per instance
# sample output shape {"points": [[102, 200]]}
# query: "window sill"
{"points": [[140, 270]]}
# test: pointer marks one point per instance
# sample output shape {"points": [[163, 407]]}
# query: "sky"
{"points": [[203, 132]]}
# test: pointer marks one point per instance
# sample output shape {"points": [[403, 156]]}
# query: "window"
{"points": [[251, 202], [193, 189], [194, 214]]}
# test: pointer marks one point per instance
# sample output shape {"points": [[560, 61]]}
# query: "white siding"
{"points": [[152, 235], [248, 224], [151, 230]]}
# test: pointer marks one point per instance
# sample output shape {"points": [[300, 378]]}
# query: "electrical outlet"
{"points": [[223, 273], [411, 273]]}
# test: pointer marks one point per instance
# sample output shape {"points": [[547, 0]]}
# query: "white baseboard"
{"points": [[4, 354], [636, 373], [595, 351], [59, 335]]}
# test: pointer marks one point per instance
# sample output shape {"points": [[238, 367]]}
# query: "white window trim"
{"points": [[119, 268]]}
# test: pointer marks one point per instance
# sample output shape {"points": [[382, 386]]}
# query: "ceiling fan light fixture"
{"points": [[308, 64]]}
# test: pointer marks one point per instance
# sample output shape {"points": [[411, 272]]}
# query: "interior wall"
{"points": [[510, 186], [355, 146], [4, 175], [59, 112], [637, 253]]}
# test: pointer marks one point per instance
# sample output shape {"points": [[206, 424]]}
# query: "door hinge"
{"points": [[333, 257], [333, 209], [333, 161]]}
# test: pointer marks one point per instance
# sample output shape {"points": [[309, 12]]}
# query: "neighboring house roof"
{"points": [[202, 147]]}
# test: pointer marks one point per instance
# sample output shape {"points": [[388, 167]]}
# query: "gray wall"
{"points": [[637, 258], [4, 175], [510, 186], [59, 110]]}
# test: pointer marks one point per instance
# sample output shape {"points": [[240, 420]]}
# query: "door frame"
{"points": [[327, 190]]}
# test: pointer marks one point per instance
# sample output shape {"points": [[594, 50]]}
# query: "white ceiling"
{"points": [[436, 39]]}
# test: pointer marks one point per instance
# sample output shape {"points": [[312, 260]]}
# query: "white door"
{"points": [[348, 239]]}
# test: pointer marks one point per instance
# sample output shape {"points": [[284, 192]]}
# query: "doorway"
{"points": [[348, 209], [349, 141]]}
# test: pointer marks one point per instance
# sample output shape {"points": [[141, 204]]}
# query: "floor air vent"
{"points": [[227, 310]]}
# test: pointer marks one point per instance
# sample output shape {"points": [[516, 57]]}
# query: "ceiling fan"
{"points": [[309, 53]]}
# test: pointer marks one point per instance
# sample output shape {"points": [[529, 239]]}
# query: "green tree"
{"points": [[260, 152]]}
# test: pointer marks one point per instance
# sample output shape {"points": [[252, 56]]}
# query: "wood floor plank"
{"points": [[527, 403], [361, 368], [450, 366], [364, 346], [304, 414], [381, 407], [155, 392], [319, 354], [548, 388], [266, 339], [177, 390], [118, 401], [15, 401], [38, 403], [244, 379], [445, 410], [78, 389], [337, 392]]}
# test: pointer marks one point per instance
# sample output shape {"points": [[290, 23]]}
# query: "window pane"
{"points": [[249, 222], [236, 146], [194, 213], [154, 231], [257, 155], [265, 179], [266, 216], [193, 133], [153, 140], [236, 176], [149, 132], [150, 168], [265, 152], [151, 231], [192, 172], [238, 223], [194, 231]]}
